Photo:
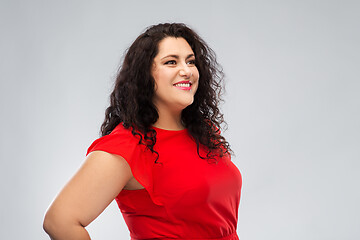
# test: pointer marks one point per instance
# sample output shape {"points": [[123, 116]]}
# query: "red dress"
{"points": [[184, 196]]}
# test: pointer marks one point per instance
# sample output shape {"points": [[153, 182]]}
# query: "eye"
{"points": [[191, 62], [171, 62]]}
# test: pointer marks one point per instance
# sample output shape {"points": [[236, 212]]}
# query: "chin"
{"points": [[186, 104]]}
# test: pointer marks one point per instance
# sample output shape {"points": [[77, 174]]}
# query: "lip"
{"points": [[183, 88], [183, 82]]}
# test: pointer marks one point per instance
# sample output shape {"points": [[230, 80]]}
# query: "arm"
{"points": [[86, 195]]}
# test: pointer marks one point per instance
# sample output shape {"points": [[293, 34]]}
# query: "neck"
{"points": [[169, 120]]}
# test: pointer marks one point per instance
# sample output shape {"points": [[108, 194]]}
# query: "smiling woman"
{"points": [[161, 155], [176, 80]]}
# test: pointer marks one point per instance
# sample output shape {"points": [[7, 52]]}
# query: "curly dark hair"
{"points": [[131, 100]]}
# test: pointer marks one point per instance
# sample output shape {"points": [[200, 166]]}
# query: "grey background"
{"points": [[292, 106]]}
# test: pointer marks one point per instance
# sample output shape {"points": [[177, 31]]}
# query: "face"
{"points": [[176, 76]]}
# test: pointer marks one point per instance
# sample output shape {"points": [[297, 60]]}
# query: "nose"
{"points": [[185, 71]]}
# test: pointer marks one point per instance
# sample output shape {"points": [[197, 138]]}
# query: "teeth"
{"points": [[182, 85]]}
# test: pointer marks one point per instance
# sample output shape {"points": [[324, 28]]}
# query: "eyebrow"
{"points": [[177, 57]]}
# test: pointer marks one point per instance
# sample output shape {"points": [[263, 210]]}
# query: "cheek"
{"points": [[196, 73], [197, 76], [159, 79], [163, 75]]}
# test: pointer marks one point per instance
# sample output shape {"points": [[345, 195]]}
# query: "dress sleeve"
{"points": [[141, 161], [117, 142]]}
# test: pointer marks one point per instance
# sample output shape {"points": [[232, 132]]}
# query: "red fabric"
{"points": [[184, 196]]}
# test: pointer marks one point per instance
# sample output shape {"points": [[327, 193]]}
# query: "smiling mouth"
{"points": [[185, 85], [182, 85]]}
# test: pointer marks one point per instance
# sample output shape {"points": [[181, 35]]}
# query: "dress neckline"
{"points": [[168, 131]]}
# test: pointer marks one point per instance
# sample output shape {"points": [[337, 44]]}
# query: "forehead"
{"points": [[171, 45]]}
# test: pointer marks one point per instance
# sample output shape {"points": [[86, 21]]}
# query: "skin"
{"points": [[88, 193], [174, 62]]}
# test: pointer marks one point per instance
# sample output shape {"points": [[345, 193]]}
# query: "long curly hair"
{"points": [[131, 100]]}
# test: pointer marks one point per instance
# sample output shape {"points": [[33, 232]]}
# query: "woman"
{"points": [[161, 155]]}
